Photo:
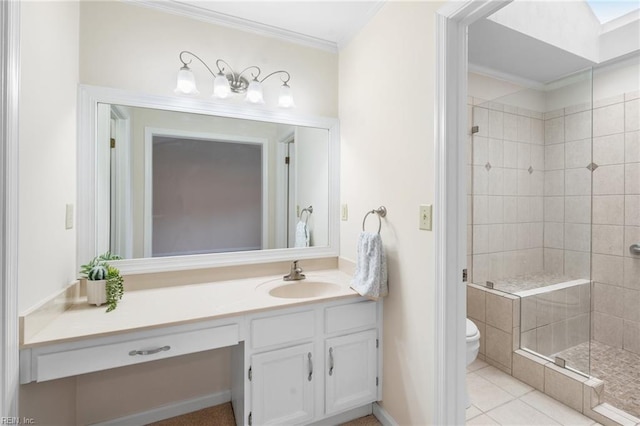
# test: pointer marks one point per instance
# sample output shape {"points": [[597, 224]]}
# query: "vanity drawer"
{"points": [[282, 329], [59, 364], [347, 317]]}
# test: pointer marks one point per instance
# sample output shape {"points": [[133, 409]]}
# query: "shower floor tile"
{"points": [[618, 368]]}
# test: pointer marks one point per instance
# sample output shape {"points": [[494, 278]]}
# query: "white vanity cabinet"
{"points": [[352, 371], [290, 365], [282, 386], [310, 364]]}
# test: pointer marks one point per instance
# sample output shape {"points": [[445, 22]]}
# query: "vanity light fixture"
{"points": [[226, 83]]}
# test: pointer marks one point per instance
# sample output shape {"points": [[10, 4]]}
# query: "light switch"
{"points": [[425, 217], [69, 217], [344, 212]]}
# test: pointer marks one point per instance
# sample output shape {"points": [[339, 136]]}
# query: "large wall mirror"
{"points": [[177, 183]]}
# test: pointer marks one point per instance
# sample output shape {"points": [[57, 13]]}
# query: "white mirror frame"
{"points": [[88, 99]]}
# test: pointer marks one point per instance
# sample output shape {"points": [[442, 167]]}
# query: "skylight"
{"points": [[608, 10]]}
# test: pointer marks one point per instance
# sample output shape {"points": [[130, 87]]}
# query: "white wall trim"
{"points": [[171, 410], [9, 127], [450, 214], [383, 416], [511, 78], [345, 416], [206, 15], [88, 99]]}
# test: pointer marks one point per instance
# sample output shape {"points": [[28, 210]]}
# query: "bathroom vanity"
{"points": [[302, 351]]}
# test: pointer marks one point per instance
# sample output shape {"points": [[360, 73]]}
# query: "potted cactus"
{"points": [[104, 282]]}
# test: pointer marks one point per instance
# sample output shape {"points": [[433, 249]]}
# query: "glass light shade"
{"points": [[221, 87], [285, 99], [186, 82], [254, 93]]}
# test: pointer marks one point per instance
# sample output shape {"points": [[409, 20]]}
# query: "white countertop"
{"points": [[146, 309]]}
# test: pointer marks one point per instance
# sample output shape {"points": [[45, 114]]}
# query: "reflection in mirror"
{"points": [[174, 183]]}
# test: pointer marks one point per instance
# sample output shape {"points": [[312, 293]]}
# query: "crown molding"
{"points": [[206, 15], [511, 78]]}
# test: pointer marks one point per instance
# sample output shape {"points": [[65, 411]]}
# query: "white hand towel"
{"points": [[370, 277], [302, 235]]}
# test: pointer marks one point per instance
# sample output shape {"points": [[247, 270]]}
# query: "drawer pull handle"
{"points": [[330, 361], [310, 367], [150, 351]]}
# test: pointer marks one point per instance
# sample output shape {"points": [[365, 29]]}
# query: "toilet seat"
{"points": [[472, 331]]}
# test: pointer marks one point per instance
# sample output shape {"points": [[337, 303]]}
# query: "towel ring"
{"points": [[309, 210], [381, 212]]}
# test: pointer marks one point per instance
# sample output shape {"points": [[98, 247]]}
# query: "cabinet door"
{"points": [[282, 386], [351, 371]]}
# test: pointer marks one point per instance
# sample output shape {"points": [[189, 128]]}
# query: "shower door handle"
{"points": [[634, 248]]}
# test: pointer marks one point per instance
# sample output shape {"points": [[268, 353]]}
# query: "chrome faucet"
{"points": [[295, 274]]}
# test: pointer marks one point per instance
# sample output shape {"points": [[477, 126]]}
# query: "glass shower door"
{"points": [[530, 197]]}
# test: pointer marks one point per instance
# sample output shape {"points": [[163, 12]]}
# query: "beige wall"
{"points": [[136, 48], [47, 149], [110, 394], [387, 147], [133, 48]]}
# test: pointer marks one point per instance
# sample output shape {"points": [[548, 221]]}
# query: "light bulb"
{"points": [[285, 99], [186, 82], [254, 93], [221, 87]]}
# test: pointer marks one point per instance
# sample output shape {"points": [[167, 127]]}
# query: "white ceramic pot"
{"points": [[97, 292]]}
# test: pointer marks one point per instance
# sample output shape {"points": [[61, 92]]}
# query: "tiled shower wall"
{"points": [[592, 209], [567, 191], [506, 191], [616, 221], [530, 202]]}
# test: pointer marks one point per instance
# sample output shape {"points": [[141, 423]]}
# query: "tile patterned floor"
{"points": [[499, 399], [619, 369]]}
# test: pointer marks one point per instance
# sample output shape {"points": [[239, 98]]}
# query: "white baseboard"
{"points": [[170, 410], [344, 417], [382, 416]]}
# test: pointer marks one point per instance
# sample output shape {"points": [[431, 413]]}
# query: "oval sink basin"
{"points": [[304, 289]]}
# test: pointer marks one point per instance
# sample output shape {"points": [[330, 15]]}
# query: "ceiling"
{"points": [[329, 24], [503, 52]]}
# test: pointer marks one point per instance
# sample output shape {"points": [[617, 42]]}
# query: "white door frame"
{"points": [[452, 21], [9, 87]]}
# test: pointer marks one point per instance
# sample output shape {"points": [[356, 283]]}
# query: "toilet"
{"points": [[473, 345]]}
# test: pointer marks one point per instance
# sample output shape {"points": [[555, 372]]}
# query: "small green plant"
{"points": [[115, 287], [99, 269]]}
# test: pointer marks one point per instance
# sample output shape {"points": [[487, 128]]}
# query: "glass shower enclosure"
{"points": [[554, 215]]}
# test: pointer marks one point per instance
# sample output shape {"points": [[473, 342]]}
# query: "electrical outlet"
{"points": [[68, 221], [425, 217], [344, 212]]}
